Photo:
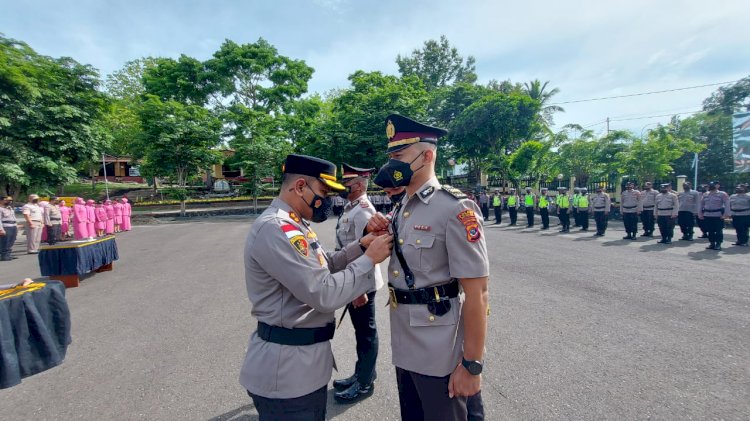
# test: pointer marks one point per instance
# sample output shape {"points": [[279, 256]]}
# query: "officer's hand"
{"points": [[2, 233], [463, 383], [360, 301], [378, 223], [380, 248]]}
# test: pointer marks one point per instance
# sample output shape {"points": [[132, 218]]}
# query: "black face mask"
{"points": [[35, 201], [321, 206], [345, 194], [400, 172], [663, 190]]}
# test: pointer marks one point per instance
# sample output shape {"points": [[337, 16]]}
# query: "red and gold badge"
{"points": [[469, 220]]}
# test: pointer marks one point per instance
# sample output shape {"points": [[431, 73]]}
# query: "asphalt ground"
{"points": [[581, 327]]}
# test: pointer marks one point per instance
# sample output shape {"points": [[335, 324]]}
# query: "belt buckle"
{"points": [[392, 297]]}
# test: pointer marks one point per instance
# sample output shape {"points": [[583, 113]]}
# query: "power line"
{"points": [[655, 116], [644, 93]]}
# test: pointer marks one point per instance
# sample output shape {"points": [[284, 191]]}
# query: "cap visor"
{"points": [[332, 184]]}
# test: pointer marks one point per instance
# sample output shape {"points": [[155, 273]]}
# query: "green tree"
{"points": [[653, 157], [178, 140], [438, 64], [538, 91]]}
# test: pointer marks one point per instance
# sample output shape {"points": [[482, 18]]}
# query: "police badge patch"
{"points": [[469, 221], [297, 239]]}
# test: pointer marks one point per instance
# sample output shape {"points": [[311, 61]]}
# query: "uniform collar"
{"points": [[427, 190]]}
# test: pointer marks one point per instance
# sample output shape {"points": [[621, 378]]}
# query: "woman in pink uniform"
{"points": [[91, 218], [80, 220], [118, 216], [110, 226], [101, 219], [126, 212], [65, 224]]}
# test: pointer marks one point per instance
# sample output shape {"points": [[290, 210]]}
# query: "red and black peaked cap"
{"points": [[348, 172], [403, 132]]}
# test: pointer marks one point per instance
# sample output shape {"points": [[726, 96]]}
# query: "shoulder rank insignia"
{"points": [[469, 221], [458, 194], [364, 204], [296, 239], [294, 217], [426, 192]]}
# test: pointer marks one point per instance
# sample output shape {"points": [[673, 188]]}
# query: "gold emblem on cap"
{"points": [[390, 130], [397, 175]]}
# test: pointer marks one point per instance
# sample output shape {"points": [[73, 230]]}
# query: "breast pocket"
{"points": [[419, 315], [418, 250], [346, 232]]}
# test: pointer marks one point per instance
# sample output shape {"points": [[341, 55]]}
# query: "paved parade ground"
{"points": [[581, 327]]}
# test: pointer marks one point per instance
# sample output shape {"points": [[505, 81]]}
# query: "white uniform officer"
{"points": [[350, 228], [295, 287], [437, 276]]}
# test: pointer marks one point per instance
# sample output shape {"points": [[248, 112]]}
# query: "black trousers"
{"points": [[311, 407], [486, 210], [562, 213], [702, 225], [741, 225], [687, 222], [53, 234], [426, 398], [647, 218], [366, 333], [715, 228], [583, 219], [544, 213], [576, 218], [666, 226], [7, 241], [530, 215], [498, 214], [513, 212], [601, 222], [630, 220]]}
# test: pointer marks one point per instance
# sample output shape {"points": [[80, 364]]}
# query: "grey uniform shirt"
{"points": [[648, 200], [689, 201], [351, 226], [714, 204], [293, 283], [52, 215], [631, 201], [739, 204], [7, 217], [600, 203], [666, 204], [34, 211], [442, 238]]}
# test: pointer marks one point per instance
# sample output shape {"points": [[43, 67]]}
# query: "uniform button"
{"points": [[395, 273], [432, 318], [419, 241], [401, 241], [406, 214]]}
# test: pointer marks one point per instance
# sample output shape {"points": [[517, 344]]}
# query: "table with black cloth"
{"points": [[68, 262], [34, 330]]}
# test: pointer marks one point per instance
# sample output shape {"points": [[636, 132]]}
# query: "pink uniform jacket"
{"points": [[126, 212], [118, 213], [110, 210], [80, 220], [91, 218], [101, 218], [65, 214]]}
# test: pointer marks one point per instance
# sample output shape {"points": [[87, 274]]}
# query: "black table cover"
{"points": [[77, 258], [34, 330]]}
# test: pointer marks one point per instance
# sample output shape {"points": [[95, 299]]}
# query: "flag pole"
{"points": [[106, 185]]}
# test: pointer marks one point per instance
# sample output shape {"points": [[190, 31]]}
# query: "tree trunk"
{"points": [[182, 208]]}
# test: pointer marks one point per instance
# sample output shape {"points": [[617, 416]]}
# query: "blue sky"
{"points": [[585, 48]]}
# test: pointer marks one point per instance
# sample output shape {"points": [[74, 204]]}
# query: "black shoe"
{"points": [[704, 236], [717, 247], [711, 246], [627, 237], [742, 244], [662, 241], [684, 238], [355, 393], [344, 383], [667, 241]]}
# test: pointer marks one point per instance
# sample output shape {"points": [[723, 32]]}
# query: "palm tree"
{"points": [[537, 90]]}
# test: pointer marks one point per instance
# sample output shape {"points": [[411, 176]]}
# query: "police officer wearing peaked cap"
{"points": [[349, 228], [295, 287], [439, 254]]}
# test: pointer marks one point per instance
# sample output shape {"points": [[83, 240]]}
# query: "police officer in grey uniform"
{"points": [[648, 197], [714, 208], [8, 228], [600, 206], [689, 201], [294, 287], [437, 282], [351, 227], [739, 206], [630, 208], [666, 207], [53, 221], [34, 215]]}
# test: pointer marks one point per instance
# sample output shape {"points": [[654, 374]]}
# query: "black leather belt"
{"points": [[599, 207], [648, 207], [55, 219], [713, 210], [426, 295], [664, 208], [740, 210], [295, 336], [630, 207]]}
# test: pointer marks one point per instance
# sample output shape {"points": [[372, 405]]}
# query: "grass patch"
{"points": [[85, 189]]}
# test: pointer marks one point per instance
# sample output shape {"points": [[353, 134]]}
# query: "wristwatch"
{"points": [[473, 367]]}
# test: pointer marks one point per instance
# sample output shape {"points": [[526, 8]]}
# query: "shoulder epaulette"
{"points": [[458, 194]]}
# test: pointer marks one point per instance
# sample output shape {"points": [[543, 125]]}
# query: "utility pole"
{"points": [[607, 125], [104, 166]]}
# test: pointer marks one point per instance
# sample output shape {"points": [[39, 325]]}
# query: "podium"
{"points": [[69, 262]]}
